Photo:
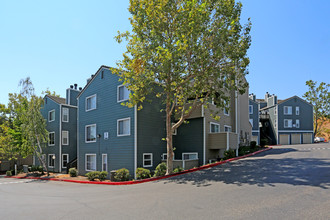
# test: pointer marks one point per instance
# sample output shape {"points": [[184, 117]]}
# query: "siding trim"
{"points": [[60, 142], [135, 140], [204, 139]]}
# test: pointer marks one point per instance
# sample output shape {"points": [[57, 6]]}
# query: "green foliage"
{"points": [[122, 175], [73, 172], [160, 169], [229, 154], [263, 142], [142, 173], [34, 168], [103, 175], [9, 173], [93, 175], [253, 144], [178, 169]]}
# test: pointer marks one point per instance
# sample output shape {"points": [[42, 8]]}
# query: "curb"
{"points": [[150, 179]]}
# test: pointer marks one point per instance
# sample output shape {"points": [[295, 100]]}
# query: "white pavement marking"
{"points": [[22, 181]]}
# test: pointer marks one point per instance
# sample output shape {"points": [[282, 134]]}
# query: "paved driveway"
{"points": [[289, 182]]}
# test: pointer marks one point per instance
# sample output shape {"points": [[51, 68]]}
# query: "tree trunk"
{"points": [[169, 140]]}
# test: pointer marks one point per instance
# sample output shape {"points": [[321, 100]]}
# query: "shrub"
{"points": [[73, 172], [122, 175], [229, 154], [93, 175], [160, 169], [178, 169], [263, 142], [142, 173], [253, 144], [103, 175], [9, 173]]}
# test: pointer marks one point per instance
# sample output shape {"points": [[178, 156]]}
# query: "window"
{"points": [[288, 110], [123, 93], [250, 109], [65, 137], [251, 121], [65, 160], [91, 103], [189, 156], [65, 115], [164, 156], [104, 162], [214, 127], [51, 160], [297, 110], [90, 164], [51, 115], [297, 123], [51, 138], [227, 128], [147, 160], [287, 123], [123, 127], [90, 133]]}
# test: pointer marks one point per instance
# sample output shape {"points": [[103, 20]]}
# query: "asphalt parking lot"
{"points": [[287, 182]]}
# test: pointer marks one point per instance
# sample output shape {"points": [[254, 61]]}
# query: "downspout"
{"points": [[60, 143], [135, 140]]}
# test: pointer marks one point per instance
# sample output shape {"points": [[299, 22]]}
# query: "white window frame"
{"points": [[89, 97], [251, 121], [65, 132], [53, 132], [67, 160], [288, 123], [190, 153], [63, 114], [165, 155], [86, 155], [297, 123], [86, 133], [105, 162], [118, 100], [213, 123], [51, 156], [49, 119], [250, 109], [129, 127], [227, 126], [297, 110], [287, 113], [151, 159]]}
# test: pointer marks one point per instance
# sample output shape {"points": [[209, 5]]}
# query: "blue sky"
{"points": [[59, 43]]}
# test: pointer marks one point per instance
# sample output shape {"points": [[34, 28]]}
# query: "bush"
{"points": [[36, 169], [122, 175], [263, 142], [178, 169], [142, 173], [253, 144], [93, 175], [160, 169], [73, 172], [9, 173], [229, 154], [103, 175]]}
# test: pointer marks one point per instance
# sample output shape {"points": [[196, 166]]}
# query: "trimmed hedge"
{"points": [[122, 175], [142, 173]]}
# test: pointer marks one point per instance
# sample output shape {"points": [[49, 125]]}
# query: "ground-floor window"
{"points": [[214, 127], [147, 160], [104, 162], [51, 160], [164, 156], [90, 162], [65, 160], [227, 128], [189, 156]]}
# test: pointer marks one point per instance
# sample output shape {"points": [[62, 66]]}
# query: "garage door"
{"points": [[307, 138], [295, 139], [284, 139]]}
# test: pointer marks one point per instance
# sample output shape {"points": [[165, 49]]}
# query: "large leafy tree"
{"points": [[319, 96], [194, 50]]}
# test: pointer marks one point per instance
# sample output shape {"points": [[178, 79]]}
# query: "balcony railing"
{"points": [[222, 140]]}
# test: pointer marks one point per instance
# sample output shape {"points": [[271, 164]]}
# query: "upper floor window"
{"points": [[250, 109], [214, 127], [91, 103], [90, 133], [297, 110], [227, 128], [65, 115], [287, 123], [123, 93], [288, 110], [51, 115], [123, 127], [51, 138], [297, 123], [65, 137]]}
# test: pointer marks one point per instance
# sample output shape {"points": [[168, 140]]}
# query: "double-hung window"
{"points": [[297, 110], [90, 164], [104, 162], [51, 160], [65, 160], [227, 128], [250, 109], [123, 127], [91, 103], [214, 128], [65, 137], [51, 115], [51, 138], [287, 123], [90, 133], [287, 110], [189, 156], [123, 93], [65, 115], [147, 160], [297, 123]]}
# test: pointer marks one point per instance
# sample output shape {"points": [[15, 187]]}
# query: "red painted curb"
{"points": [[150, 179]]}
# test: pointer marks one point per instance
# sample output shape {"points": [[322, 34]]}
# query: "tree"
{"points": [[193, 50], [319, 97]]}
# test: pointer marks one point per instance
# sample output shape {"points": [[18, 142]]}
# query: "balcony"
{"points": [[222, 140]]}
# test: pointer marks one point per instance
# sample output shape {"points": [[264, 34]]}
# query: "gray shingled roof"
{"points": [[56, 99]]}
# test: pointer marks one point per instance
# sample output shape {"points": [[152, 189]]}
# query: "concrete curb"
{"points": [[150, 179]]}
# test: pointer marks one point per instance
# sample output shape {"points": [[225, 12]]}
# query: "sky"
{"points": [[59, 43]]}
